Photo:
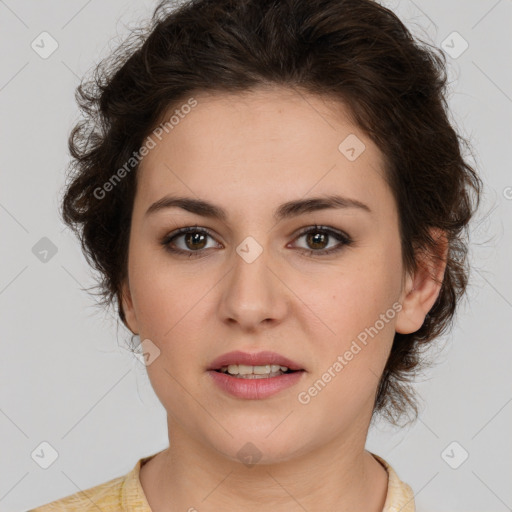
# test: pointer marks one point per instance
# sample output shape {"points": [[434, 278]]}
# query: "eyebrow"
{"points": [[286, 210]]}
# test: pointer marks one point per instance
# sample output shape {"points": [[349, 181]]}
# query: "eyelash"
{"points": [[344, 240]]}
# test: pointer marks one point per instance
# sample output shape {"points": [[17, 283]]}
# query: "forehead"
{"points": [[264, 144]]}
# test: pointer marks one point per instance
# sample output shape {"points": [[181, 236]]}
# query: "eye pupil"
{"points": [[317, 238], [194, 237]]}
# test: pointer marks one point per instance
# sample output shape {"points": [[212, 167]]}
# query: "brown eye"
{"points": [[317, 239], [191, 241], [195, 240]]}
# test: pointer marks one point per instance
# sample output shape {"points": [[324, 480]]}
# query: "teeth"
{"points": [[243, 369]]}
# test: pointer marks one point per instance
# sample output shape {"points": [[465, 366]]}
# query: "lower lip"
{"points": [[255, 389]]}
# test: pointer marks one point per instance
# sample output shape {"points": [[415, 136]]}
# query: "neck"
{"points": [[339, 475]]}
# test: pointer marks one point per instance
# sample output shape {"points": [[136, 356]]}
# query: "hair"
{"points": [[355, 51]]}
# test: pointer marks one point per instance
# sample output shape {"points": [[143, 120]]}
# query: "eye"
{"points": [[319, 236], [194, 241], [193, 238]]}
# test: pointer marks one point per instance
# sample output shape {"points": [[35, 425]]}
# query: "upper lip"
{"points": [[253, 359]]}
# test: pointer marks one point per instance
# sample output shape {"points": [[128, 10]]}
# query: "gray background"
{"points": [[66, 376]]}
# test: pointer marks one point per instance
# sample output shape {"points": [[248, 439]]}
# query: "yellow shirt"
{"points": [[125, 493]]}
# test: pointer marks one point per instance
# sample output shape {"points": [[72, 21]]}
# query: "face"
{"points": [[263, 277]]}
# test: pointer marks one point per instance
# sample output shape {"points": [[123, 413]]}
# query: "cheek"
{"points": [[356, 307], [168, 302], [164, 297], [348, 364], [167, 310], [350, 298]]}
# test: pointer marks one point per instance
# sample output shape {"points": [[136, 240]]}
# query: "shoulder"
{"points": [[106, 496], [399, 494], [119, 494]]}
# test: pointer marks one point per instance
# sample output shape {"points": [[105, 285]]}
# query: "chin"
{"points": [[258, 448]]}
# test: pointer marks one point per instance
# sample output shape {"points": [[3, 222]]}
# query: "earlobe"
{"points": [[422, 289], [128, 309]]}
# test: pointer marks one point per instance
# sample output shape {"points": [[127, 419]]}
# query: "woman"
{"points": [[276, 202]]}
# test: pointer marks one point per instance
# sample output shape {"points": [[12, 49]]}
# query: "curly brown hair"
{"points": [[354, 50]]}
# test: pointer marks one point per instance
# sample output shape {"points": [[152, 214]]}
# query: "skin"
{"points": [[249, 153]]}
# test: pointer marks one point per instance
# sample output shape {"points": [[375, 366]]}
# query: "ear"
{"points": [[128, 309], [421, 289]]}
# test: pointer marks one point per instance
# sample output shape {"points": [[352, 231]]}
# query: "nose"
{"points": [[254, 295]]}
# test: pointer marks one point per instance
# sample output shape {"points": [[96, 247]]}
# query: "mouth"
{"points": [[255, 376], [267, 371], [260, 365]]}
